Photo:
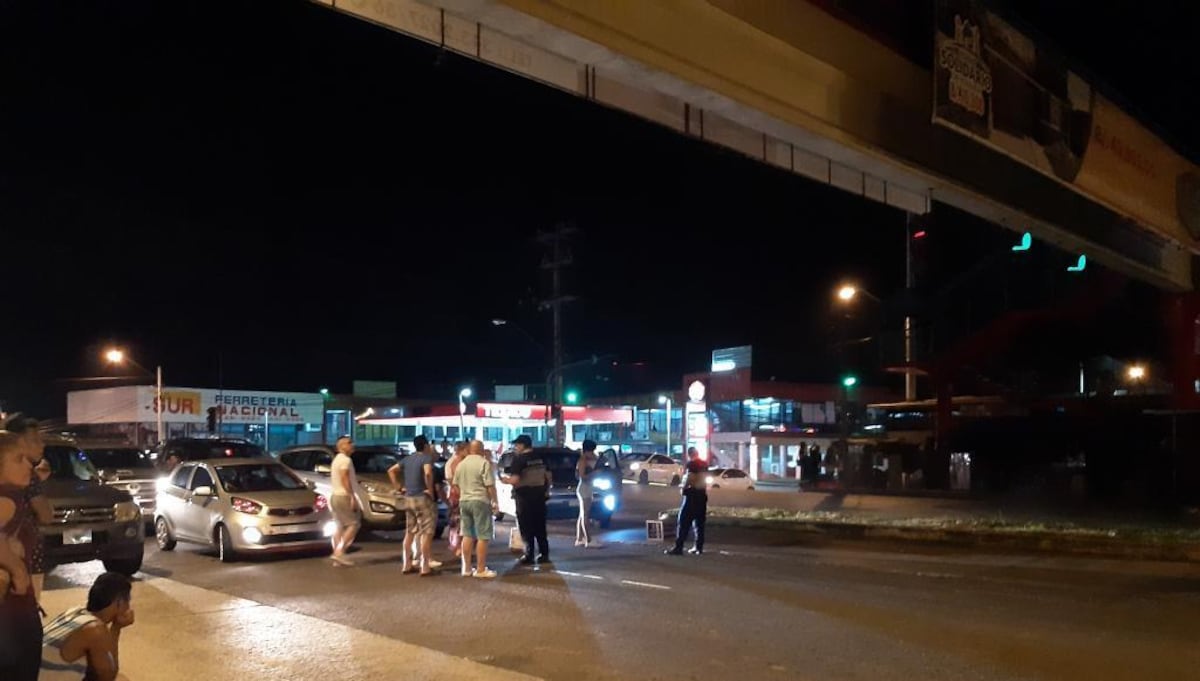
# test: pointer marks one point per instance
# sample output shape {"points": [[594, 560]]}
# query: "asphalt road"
{"points": [[754, 607]]}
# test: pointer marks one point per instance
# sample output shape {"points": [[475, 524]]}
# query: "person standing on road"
{"points": [[343, 502], [583, 471], [453, 511], [92, 634], [40, 512], [20, 624], [421, 516], [475, 485], [531, 486], [693, 510]]}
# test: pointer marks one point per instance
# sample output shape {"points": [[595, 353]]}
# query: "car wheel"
{"points": [[162, 534], [224, 545], [644, 478], [675, 481], [127, 566]]}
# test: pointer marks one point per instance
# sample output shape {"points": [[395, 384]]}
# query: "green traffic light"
{"points": [[1026, 242], [849, 381], [1079, 265], [572, 397]]}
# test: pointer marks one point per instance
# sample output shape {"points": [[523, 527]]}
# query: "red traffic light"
{"points": [[919, 234]]}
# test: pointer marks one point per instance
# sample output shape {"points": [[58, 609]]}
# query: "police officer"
{"points": [[530, 479], [693, 510]]}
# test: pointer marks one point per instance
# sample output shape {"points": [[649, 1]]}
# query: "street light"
{"points": [[117, 356], [848, 292], [663, 399], [462, 411], [1136, 372]]}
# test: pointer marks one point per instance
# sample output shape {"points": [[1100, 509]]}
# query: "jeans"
{"points": [[693, 511]]}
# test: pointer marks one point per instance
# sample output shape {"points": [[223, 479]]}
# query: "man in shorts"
{"points": [[421, 497], [476, 487], [342, 501]]}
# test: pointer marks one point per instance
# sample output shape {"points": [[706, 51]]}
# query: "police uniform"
{"points": [[530, 495]]}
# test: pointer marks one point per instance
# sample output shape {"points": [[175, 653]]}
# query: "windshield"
{"points": [[367, 461], [268, 477], [68, 463], [561, 464], [122, 457]]}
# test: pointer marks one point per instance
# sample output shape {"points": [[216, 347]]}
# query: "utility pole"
{"points": [[910, 379], [557, 258]]}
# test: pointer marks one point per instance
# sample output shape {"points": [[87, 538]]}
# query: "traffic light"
{"points": [[1079, 265], [849, 381], [212, 419], [571, 397], [1026, 243]]}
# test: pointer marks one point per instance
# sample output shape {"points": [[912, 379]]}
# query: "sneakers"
{"points": [[468, 573], [487, 573], [695, 551], [544, 559], [673, 552], [435, 564], [527, 560]]}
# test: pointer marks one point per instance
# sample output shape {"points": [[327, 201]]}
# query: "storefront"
{"points": [[495, 423], [130, 413]]}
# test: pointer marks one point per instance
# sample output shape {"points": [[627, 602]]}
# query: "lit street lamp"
{"points": [[462, 411], [848, 292], [117, 357], [1136, 373], [663, 399]]}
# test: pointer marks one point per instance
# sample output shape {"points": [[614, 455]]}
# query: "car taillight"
{"points": [[245, 506], [322, 503]]}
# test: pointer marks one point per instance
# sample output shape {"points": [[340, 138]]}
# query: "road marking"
{"points": [[645, 584], [579, 574]]}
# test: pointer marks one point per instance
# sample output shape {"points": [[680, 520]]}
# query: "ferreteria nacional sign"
{"points": [[997, 86], [235, 406]]}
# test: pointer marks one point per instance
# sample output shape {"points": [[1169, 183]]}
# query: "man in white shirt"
{"points": [[343, 502], [476, 486]]}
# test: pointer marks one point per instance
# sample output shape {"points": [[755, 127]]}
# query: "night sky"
{"points": [[303, 199]]}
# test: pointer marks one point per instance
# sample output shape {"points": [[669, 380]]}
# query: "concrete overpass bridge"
{"points": [[981, 118]]}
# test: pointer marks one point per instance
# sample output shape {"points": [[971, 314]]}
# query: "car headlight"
{"points": [[708, 480], [602, 484], [380, 507], [610, 502], [329, 529], [252, 535], [635, 466], [126, 511]]}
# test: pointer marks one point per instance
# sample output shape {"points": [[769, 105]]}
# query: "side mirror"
{"points": [[310, 484], [322, 469], [203, 491]]}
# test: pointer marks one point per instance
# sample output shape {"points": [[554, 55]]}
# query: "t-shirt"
{"points": [[341, 462], [473, 476], [413, 467]]}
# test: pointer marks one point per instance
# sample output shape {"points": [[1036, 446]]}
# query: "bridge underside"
{"points": [[790, 85]]}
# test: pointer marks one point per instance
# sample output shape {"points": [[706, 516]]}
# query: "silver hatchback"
{"points": [[240, 506]]}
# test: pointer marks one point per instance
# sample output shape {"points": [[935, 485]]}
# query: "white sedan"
{"points": [[654, 468], [728, 478]]}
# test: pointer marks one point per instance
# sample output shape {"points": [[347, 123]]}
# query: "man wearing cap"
{"points": [[530, 479], [693, 510]]}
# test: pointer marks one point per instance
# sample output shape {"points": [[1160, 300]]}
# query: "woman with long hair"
{"points": [[583, 471]]}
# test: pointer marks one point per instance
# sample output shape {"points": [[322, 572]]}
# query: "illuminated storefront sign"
{"points": [[699, 428], [139, 404]]}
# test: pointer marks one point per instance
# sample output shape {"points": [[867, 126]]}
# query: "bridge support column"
{"points": [[1183, 326]]}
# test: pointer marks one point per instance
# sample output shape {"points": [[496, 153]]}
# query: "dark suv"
{"points": [[91, 520], [562, 502]]}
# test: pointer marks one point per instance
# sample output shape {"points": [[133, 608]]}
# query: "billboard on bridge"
{"points": [[996, 85]]}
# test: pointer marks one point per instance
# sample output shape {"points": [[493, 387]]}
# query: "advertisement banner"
{"points": [[190, 405], [996, 85]]}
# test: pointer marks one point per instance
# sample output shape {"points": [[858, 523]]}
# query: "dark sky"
{"points": [[306, 199]]}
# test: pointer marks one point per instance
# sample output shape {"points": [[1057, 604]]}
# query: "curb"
{"points": [[1032, 542]]}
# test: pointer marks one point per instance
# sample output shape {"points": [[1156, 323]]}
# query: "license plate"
{"points": [[77, 536], [288, 529]]}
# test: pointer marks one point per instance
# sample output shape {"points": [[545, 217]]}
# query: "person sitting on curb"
{"points": [[91, 635]]}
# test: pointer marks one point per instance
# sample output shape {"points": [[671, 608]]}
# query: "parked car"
{"points": [[129, 469], [729, 478], [196, 449], [654, 468], [563, 502], [92, 521], [381, 509], [241, 505]]}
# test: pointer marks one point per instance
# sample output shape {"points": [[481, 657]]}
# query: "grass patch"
{"points": [[995, 524]]}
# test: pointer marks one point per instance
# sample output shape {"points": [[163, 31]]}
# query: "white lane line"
{"points": [[579, 574], [645, 584]]}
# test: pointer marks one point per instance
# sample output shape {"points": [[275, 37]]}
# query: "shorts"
{"points": [[343, 510], [475, 520], [421, 516]]}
